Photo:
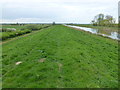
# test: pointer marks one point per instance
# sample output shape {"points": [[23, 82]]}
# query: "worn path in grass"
{"points": [[60, 57]]}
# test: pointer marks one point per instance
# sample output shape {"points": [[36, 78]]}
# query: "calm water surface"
{"points": [[112, 35]]}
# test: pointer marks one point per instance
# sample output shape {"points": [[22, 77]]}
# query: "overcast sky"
{"points": [[74, 11]]}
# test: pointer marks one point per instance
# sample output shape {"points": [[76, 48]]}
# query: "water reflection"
{"points": [[108, 33]]}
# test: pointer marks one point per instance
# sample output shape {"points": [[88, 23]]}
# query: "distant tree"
{"points": [[110, 19], [53, 23], [99, 18], [93, 21], [17, 23], [102, 20]]}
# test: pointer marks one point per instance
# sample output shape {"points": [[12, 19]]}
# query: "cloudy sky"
{"points": [[74, 11]]}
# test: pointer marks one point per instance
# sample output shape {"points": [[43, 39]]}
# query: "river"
{"points": [[112, 35]]}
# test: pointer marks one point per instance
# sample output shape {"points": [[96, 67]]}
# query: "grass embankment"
{"points": [[60, 57]]}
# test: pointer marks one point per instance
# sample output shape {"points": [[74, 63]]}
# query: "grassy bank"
{"points": [[60, 57]]}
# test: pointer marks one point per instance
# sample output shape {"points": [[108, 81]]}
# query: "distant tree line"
{"points": [[102, 20]]}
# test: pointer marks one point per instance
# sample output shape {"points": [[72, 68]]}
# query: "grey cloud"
{"points": [[62, 10]]}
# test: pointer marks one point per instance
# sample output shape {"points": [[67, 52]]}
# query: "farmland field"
{"points": [[60, 57], [10, 31]]}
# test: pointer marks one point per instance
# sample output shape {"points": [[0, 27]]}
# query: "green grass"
{"points": [[14, 26], [73, 59]]}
